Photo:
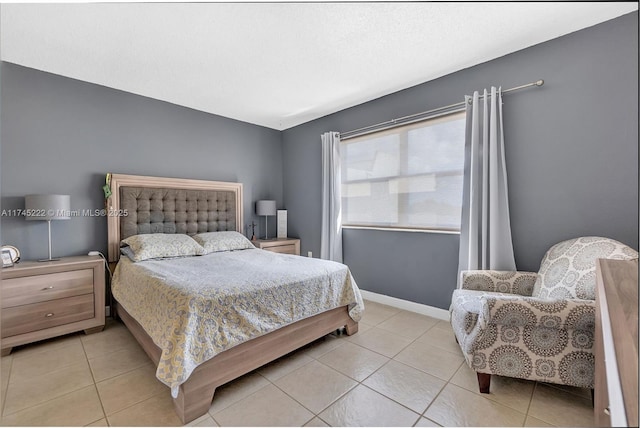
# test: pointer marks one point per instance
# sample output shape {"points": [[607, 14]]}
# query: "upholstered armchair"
{"points": [[537, 326]]}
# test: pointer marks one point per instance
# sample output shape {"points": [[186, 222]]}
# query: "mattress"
{"points": [[193, 308]]}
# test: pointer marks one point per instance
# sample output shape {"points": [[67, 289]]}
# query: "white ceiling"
{"points": [[278, 64]]}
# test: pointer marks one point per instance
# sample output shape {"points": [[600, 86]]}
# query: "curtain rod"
{"points": [[418, 116]]}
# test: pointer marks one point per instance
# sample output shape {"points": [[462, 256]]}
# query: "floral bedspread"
{"points": [[196, 307]]}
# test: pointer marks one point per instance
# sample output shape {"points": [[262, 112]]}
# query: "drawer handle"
{"points": [[606, 411], [47, 288], [49, 315]]}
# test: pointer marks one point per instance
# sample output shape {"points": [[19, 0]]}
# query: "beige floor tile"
{"points": [[118, 362], [325, 344], [285, 365], [534, 422], [441, 338], [315, 385], [100, 423], [354, 361], [514, 393], [77, 408], [381, 341], [365, 407], [456, 406], [236, 390], [425, 422], [375, 313], [363, 326], [268, 406], [203, 421], [153, 412], [33, 391], [47, 382], [445, 325], [431, 360], [406, 385], [408, 324], [5, 367], [47, 345], [5, 370], [127, 389], [32, 365], [113, 338], [316, 422], [560, 408], [581, 392]]}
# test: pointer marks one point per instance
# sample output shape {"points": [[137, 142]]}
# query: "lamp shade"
{"points": [[47, 207], [266, 207]]}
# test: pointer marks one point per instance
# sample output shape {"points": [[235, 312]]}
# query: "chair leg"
{"points": [[484, 381]]}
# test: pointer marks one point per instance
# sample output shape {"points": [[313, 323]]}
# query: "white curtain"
{"points": [[331, 238], [485, 233]]}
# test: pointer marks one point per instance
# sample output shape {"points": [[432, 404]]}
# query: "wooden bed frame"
{"points": [[195, 395]]}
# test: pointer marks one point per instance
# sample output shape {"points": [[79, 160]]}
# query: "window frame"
{"points": [[403, 197]]}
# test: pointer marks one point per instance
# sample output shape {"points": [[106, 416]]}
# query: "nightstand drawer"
{"points": [[38, 316], [40, 288], [41, 300], [279, 245], [284, 249]]}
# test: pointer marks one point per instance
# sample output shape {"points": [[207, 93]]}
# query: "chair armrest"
{"points": [[513, 282], [517, 311]]}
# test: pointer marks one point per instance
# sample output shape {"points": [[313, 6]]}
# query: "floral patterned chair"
{"points": [[537, 326]]}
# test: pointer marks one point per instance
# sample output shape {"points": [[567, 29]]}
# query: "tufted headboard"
{"points": [[140, 204]]}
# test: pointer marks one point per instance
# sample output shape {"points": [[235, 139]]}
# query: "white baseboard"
{"points": [[419, 308]]}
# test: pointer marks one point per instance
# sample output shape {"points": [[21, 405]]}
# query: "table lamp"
{"points": [[266, 208], [47, 208]]}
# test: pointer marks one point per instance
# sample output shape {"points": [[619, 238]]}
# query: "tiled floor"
{"points": [[401, 369]]}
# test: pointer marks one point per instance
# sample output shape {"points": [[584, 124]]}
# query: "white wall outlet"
{"points": [[310, 254]]}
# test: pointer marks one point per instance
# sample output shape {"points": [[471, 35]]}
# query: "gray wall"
{"points": [[571, 148], [572, 155], [60, 135]]}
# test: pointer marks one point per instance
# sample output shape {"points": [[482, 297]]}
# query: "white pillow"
{"points": [[214, 242], [160, 245]]}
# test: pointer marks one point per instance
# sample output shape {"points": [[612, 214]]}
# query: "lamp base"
{"points": [[266, 230], [50, 259]]}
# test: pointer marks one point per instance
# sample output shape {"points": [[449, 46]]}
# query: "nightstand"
{"points": [[41, 300], [279, 245]]}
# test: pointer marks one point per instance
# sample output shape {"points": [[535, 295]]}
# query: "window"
{"points": [[408, 177]]}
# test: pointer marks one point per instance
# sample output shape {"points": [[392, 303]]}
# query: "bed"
{"points": [[201, 341]]}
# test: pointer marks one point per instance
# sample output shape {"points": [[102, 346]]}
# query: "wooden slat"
{"points": [[618, 281]]}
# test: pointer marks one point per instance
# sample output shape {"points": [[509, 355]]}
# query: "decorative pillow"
{"points": [[214, 242], [160, 245], [568, 269]]}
